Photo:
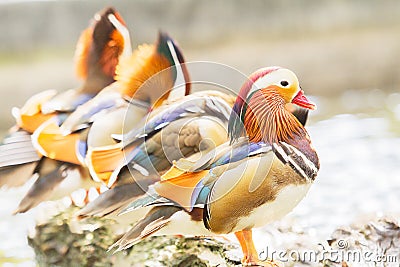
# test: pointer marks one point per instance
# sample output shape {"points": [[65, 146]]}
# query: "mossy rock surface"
{"points": [[59, 243], [63, 241], [56, 245]]}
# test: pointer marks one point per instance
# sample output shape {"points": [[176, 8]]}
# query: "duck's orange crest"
{"points": [[82, 53], [133, 72]]}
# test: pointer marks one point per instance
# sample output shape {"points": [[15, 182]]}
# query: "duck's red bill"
{"points": [[301, 100]]}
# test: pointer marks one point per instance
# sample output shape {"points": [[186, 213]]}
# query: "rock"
{"points": [[375, 243], [62, 241]]}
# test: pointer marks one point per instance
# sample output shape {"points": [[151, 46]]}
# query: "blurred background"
{"points": [[335, 47], [345, 53]]}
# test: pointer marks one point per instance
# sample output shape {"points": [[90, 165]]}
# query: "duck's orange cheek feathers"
{"points": [[286, 93], [82, 53]]}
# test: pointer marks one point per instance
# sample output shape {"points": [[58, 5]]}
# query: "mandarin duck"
{"points": [[97, 53], [93, 123], [257, 177]]}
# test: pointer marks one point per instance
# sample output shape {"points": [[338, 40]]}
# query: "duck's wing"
{"points": [[191, 136], [189, 107], [185, 185], [181, 196], [184, 138], [181, 128], [50, 142]]}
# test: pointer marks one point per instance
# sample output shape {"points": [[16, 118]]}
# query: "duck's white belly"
{"points": [[286, 200]]}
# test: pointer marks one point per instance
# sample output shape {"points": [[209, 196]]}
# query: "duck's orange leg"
{"points": [[89, 198], [251, 258], [86, 199]]}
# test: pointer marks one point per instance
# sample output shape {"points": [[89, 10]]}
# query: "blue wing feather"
{"points": [[239, 153]]}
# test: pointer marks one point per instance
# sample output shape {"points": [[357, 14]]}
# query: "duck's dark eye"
{"points": [[284, 83]]}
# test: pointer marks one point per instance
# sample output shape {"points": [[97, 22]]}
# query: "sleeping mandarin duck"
{"points": [[97, 53], [257, 177], [93, 123]]}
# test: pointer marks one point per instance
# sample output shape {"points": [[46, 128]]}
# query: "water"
{"points": [[359, 176], [360, 172], [14, 249], [359, 179]]}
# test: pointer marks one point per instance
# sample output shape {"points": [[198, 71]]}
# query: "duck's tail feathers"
{"points": [[153, 221], [17, 175], [50, 176], [17, 148], [112, 201], [18, 159]]}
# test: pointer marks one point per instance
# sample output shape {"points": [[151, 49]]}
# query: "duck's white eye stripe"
{"points": [[125, 35], [264, 82]]}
